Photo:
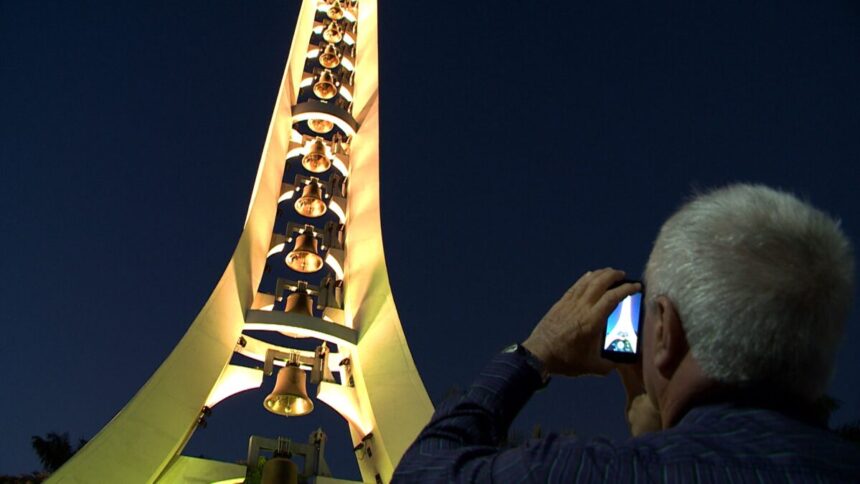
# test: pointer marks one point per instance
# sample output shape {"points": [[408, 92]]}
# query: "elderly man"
{"points": [[746, 293]]}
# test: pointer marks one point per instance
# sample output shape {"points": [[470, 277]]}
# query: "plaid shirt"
{"points": [[723, 443]]}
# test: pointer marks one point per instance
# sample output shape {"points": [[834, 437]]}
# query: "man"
{"points": [[746, 293]]}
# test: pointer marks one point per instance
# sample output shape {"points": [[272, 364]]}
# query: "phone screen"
{"points": [[621, 339]]}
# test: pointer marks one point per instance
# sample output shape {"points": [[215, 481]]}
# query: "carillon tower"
{"points": [[309, 265]]}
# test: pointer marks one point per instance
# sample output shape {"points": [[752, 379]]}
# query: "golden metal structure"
{"points": [[304, 257], [311, 203], [329, 57], [290, 395], [333, 33], [316, 160], [326, 85], [380, 393]]}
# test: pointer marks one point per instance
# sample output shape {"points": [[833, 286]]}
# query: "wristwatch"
{"points": [[531, 360]]}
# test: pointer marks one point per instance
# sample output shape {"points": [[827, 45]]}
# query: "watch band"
{"points": [[531, 360]]}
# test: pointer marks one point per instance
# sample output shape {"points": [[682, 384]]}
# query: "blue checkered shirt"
{"points": [[722, 443]]}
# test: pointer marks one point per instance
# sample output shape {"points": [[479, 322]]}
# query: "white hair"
{"points": [[762, 283]]}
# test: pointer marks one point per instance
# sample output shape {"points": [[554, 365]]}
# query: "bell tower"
{"points": [[309, 265]]}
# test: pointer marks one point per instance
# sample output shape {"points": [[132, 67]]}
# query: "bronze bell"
{"points": [[321, 126], [300, 302], [290, 395], [304, 256], [280, 470], [326, 86], [335, 12], [311, 203], [333, 33], [316, 161], [330, 57]]}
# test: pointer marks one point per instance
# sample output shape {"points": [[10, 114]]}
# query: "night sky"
{"points": [[523, 143]]}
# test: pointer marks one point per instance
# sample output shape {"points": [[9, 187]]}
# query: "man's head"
{"points": [[758, 284]]}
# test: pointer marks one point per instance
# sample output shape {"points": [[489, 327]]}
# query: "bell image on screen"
{"points": [[622, 326]]}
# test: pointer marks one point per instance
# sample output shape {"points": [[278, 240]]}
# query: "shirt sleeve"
{"points": [[461, 442]]}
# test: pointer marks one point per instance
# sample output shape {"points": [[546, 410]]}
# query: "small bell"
{"points": [[304, 256], [316, 161], [326, 86], [333, 33], [335, 12], [280, 470], [311, 203], [321, 126], [330, 57], [290, 395]]}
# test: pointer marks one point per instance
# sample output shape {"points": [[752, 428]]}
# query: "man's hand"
{"points": [[643, 416], [568, 338]]}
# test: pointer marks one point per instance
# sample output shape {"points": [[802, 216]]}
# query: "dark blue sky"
{"points": [[523, 143]]}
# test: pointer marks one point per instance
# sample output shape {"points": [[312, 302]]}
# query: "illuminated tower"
{"points": [[320, 169]]}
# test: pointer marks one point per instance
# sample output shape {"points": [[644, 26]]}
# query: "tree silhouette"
{"points": [[54, 450]]}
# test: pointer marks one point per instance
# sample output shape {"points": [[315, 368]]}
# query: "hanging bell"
{"points": [[321, 126], [316, 161], [311, 203], [326, 86], [333, 33], [330, 57], [290, 395], [335, 12], [280, 470], [304, 256], [300, 302]]}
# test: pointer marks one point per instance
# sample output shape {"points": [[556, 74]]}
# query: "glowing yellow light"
{"points": [[345, 402], [344, 91], [337, 209], [332, 261], [276, 249], [234, 379], [340, 165]]}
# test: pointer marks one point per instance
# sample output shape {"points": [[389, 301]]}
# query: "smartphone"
{"points": [[621, 341]]}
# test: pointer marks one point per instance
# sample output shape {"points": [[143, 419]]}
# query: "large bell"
{"points": [[330, 57], [311, 203], [325, 87], [316, 161], [300, 302], [333, 33], [304, 256], [321, 126], [290, 395], [335, 12], [280, 470]]}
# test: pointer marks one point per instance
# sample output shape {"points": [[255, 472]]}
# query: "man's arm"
{"points": [[461, 442]]}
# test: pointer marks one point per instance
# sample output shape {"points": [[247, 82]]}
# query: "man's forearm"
{"points": [[464, 433]]}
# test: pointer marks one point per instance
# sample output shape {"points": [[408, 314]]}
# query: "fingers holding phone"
{"points": [[569, 336]]}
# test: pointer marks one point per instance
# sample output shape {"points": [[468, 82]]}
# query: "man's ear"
{"points": [[670, 341]]}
